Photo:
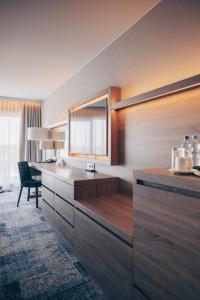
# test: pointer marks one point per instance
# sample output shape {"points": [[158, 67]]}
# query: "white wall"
{"points": [[162, 47]]}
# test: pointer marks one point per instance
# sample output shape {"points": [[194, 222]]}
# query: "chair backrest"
{"points": [[24, 171]]}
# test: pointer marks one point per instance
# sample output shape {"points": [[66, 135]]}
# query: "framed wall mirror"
{"points": [[90, 128]]}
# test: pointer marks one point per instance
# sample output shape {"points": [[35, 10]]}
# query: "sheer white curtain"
{"points": [[10, 116], [88, 131]]}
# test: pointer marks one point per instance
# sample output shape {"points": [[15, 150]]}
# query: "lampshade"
{"points": [[58, 145], [46, 145], [38, 134]]}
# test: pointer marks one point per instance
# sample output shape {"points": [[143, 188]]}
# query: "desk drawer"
{"points": [[107, 257], [48, 181], [64, 228], [48, 213], [65, 190], [65, 209], [48, 196]]}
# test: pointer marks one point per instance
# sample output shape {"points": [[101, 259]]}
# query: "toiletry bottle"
{"points": [[187, 148], [195, 146], [186, 153]]}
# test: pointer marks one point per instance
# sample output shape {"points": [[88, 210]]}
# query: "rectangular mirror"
{"points": [[89, 129]]}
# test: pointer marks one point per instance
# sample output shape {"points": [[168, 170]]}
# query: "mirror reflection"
{"points": [[88, 129]]}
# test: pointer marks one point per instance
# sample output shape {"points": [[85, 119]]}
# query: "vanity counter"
{"points": [[73, 176], [164, 179]]}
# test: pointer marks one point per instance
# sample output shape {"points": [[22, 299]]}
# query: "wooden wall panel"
{"points": [[148, 131], [166, 244]]}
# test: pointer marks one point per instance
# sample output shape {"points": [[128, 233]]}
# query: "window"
{"points": [[9, 148]]}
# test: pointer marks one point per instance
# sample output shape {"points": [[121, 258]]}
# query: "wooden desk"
{"points": [[87, 211]]}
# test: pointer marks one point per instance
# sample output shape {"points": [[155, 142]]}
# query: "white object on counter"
{"points": [[183, 163], [60, 162]]}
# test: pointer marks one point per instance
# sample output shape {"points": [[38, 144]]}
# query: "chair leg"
{"points": [[28, 194], [19, 195], [36, 194]]}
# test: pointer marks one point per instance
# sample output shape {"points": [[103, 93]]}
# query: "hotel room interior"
{"points": [[100, 150]]}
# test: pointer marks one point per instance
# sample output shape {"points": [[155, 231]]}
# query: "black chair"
{"points": [[27, 181]]}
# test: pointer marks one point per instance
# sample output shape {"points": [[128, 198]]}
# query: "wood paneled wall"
{"points": [[148, 131]]}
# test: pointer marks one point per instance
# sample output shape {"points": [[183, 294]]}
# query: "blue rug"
{"points": [[34, 263]]}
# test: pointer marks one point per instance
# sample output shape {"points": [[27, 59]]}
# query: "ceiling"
{"points": [[45, 42]]}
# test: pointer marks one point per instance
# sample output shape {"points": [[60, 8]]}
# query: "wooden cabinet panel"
{"points": [[64, 228], [166, 244], [96, 189], [108, 258], [65, 190], [48, 181], [65, 209], [48, 213], [48, 196]]}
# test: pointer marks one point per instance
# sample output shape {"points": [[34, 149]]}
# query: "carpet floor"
{"points": [[34, 263]]}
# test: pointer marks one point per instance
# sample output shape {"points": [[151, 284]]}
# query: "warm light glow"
{"points": [[13, 106], [90, 156], [89, 102]]}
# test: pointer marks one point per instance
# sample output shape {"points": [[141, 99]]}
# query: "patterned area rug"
{"points": [[34, 263]]}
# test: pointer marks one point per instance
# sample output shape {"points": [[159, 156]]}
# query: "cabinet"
{"points": [[48, 181], [48, 196], [167, 240], [107, 257], [65, 209], [104, 245], [48, 213], [65, 229]]}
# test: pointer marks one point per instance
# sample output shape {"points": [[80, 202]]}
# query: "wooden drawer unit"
{"points": [[65, 190], [48, 196], [107, 257], [48, 213], [65, 209], [48, 181], [64, 228], [166, 244]]}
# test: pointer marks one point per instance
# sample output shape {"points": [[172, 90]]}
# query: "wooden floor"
{"points": [[116, 209]]}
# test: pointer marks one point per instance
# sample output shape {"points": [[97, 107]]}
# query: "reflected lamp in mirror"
{"points": [[46, 145], [58, 146]]}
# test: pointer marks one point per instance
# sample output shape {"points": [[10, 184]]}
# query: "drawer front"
{"points": [[48, 181], [48, 213], [108, 258], [65, 209], [64, 190], [166, 244], [48, 196], [65, 229]]}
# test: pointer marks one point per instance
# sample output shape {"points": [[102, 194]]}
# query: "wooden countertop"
{"points": [[69, 174], [162, 176], [115, 212]]}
